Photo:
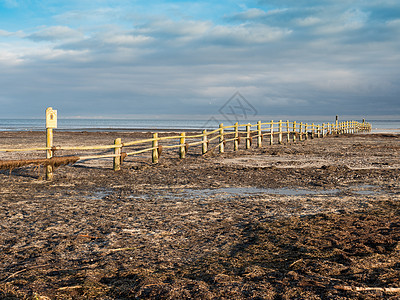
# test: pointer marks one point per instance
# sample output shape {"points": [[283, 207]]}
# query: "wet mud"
{"points": [[318, 219]]}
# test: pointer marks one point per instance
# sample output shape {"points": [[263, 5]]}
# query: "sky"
{"points": [[106, 58]]}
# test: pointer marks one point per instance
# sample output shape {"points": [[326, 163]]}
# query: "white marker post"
{"points": [[51, 123]]}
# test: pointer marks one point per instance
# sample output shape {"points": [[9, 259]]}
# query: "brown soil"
{"points": [[310, 220]]}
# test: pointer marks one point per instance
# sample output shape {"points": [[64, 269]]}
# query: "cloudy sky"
{"points": [[120, 58]]}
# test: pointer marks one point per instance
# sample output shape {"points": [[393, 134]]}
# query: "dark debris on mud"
{"points": [[138, 234]]}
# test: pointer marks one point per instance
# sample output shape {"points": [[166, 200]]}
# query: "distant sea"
{"points": [[154, 124]]}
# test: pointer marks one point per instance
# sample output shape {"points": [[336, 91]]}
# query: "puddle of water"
{"points": [[251, 191], [364, 192], [99, 194], [233, 191], [365, 189], [245, 191]]}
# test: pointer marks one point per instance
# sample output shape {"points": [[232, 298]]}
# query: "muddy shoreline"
{"points": [[305, 220]]}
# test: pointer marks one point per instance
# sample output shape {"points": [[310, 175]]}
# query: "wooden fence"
{"points": [[237, 134]]}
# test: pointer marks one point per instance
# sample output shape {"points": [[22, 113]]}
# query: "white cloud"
{"points": [[127, 40], [4, 33], [56, 33], [288, 56], [9, 57], [309, 21], [246, 35]]}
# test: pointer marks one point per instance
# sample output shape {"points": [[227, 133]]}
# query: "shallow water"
{"points": [[251, 191]]}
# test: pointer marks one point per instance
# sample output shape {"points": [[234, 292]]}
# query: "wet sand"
{"points": [[310, 220]]}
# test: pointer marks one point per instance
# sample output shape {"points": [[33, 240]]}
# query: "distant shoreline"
{"points": [[160, 130]]}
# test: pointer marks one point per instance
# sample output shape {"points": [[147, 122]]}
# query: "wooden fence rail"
{"points": [[207, 140]]}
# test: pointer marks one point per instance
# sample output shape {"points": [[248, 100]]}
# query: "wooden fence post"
{"points": [[259, 135], [301, 131], [117, 151], [288, 131], [155, 148], [49, 153], [205, 142], [271, 138], [318, 131], [221, 138], [312, 130], [294, 131], [280, 132], [182, 148], [323, 130], [337, 125], [248, 137], [306, 130], [236, 140]]}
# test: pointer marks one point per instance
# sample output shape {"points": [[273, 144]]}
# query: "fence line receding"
{"points": [[239, 135]]}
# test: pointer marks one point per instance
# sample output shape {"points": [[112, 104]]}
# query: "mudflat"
{"points": [[317, 219]]}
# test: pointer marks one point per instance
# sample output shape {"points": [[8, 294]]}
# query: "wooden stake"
{"points": [[288, 131], [117, 151], [306, 130], [205, 142], [155, 148], [248, 137], [271, 138], [221, 138], [259, 135], [301, 131], [182, 150], [49, 152], [312, 130], [236, 140], [294, 131], [280, 132], [323, 130]]}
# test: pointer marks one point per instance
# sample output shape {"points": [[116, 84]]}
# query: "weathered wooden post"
{"points": [[271, 137], [248, 136], [117, 153], [301, 131], [259, 135], [182, 148], [312, 130], [280, 132], [155, 148], [204, 145], [318, 131], [221, 138], [306, 130], [236, 139], [287, 131], [336, 125], [323, 130], [51, 123], [294, 131]]}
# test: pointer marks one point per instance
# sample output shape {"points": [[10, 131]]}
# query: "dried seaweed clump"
{"points": [[55, 162]]}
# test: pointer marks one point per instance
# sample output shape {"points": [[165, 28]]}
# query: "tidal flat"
{"points": [[317, 219]]}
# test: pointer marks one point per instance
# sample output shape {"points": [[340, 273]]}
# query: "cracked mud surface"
{"points": [[284, 221]]}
